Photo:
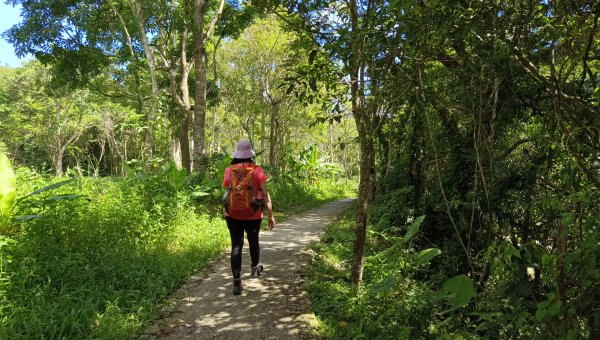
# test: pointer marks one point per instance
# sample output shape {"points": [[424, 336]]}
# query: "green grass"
{"points": [[100, 266], [290, 198]]}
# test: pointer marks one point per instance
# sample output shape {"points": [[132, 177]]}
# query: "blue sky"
{"points": [[9, 16]]}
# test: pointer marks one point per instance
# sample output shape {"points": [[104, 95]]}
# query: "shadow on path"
{"points": [[273, 306]]}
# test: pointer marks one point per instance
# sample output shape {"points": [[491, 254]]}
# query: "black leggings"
{"points": [[236, 231]]}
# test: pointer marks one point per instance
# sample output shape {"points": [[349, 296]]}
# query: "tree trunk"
{"points": [[149, 142], [199, 120], [58, 160], [416, 158], [367, 152], [176, 152], [180, 93], [367, 173], [262, 132], [184, 143], [273, 136]]}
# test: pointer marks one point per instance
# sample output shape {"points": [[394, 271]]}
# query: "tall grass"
{"points": [[290, 197], [99, 266]]}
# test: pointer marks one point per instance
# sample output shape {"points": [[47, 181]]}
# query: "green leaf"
{"points": [[414, 228], [200, 193], [8, 187], [458, 290], [26, 218], [50, 187], [511, 251], [387, 284], [426, 255], [175, 177], [129, 173]]}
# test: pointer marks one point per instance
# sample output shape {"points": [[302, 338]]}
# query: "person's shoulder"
{"points": [[259, 170]]}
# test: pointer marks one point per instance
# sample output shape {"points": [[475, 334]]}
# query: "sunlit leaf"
{"points": [[7, 187], [414, 228], [50, 187], [387, 284], [426, 255]]}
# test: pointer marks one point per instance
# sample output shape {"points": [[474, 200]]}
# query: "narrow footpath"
{"points": [[273, 306]]}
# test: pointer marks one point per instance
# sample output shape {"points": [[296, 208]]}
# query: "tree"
{"points": [[81, 40], [200, 36], [259, 57], [345, 38], [64, 116]]}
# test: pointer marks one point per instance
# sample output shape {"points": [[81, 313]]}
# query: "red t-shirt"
{"points": [[259, 178]]}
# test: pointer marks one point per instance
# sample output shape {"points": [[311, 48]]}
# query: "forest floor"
{"points": [[272, 306]]}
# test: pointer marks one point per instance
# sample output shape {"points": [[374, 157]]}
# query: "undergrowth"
{"points": [[108, 251], [291, 197], [390, 304]]}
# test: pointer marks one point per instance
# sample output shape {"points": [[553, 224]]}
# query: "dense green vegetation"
{"points": [[474, 127], [103, 253], [481, 117]]}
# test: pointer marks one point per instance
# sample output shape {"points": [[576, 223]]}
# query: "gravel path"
{"points": [[274, 306]]}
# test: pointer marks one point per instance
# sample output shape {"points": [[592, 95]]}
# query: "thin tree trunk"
{"points": [[416, 157], [184, 142], [273, 136], [176, 151], [367, 173], [263, 125], [58, 161], [199, 122], [367, 151], [149, 142]]}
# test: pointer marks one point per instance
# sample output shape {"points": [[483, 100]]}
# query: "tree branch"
{"points": [[215, 19]]}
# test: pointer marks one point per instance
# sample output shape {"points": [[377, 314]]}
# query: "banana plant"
{"points": [[8, 192], [9, 203], [312, 167]]}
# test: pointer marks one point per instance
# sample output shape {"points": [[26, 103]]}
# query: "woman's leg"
{"points": [[236, 232], [252, 229]]}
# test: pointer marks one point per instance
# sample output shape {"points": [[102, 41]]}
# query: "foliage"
{"points": [[392, 303], [100, 267], [484, 120], [310, 167], [478, 120], [7, 191]]}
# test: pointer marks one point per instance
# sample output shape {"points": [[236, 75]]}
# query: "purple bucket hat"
{"points": [[244, 150]]}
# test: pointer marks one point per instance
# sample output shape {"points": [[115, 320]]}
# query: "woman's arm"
{"points": [[268, 204]]}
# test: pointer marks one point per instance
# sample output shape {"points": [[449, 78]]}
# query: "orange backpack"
{"points": [[241, 196]]}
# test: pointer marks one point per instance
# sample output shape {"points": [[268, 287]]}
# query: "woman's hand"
{"points": [[271, 222]]}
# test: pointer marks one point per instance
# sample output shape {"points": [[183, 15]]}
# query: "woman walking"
{"points": [[247, 196]]}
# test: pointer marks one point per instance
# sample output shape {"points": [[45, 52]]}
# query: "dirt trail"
{"points": [[273, 306]]}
